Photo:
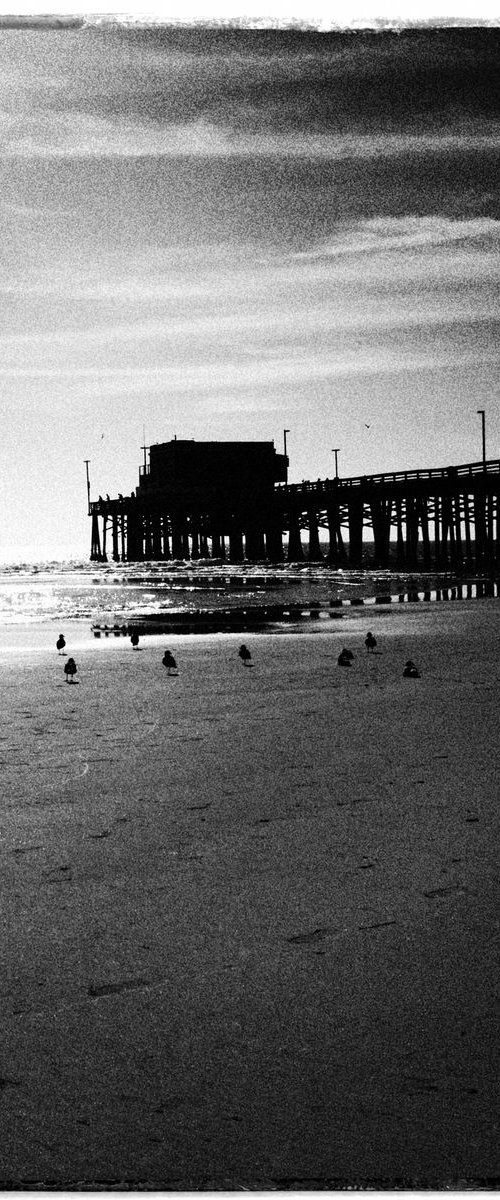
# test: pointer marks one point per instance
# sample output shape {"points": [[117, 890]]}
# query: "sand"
{"points": [[250, 916]]}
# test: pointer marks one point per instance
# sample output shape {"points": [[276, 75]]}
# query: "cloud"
{"points": [[119, 92], [389, 234], [283, 370], [386, 296], [80, 135], [249, 334]]}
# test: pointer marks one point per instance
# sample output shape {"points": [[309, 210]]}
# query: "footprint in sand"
{"points": [[317, 935]]}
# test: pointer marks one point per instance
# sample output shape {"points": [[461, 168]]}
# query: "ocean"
{"points": [[118, 593]]}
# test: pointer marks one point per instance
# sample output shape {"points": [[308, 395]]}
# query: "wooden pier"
{"points": [[442, 518], [434, 519]]}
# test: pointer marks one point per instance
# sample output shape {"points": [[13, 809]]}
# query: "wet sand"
{"points": [[250, 916]]}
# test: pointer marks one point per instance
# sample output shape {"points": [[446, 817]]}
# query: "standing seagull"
{"points": [[370, 642], [169, 662], [245, 656], [70, 669], [134, 638], [60, 644]]}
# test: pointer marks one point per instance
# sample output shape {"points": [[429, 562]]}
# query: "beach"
{"points": [[250, 915]]}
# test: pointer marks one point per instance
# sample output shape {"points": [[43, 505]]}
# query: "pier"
{"points": [[230, 502]]}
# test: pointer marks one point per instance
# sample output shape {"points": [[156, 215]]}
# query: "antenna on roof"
{"points": [[144, 447]]}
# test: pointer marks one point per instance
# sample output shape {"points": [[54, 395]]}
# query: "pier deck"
{"points": [[432, 518]]}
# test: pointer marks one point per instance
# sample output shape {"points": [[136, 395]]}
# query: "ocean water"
{"points": [[116, 593]]}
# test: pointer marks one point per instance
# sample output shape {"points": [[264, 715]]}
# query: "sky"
{"points": [[220, 234]]}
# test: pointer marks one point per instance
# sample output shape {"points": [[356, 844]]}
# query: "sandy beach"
{"points": [[250, 916]]}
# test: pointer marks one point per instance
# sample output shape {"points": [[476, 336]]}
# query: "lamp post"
{"points": [[285, 431], [86, 461], [481, 412], [335, 451]]}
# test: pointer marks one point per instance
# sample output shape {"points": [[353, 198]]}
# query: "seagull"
{"points": [[61, 642], [169, 662], [411, 671], [70, 669], [245, 656], [370, 642]]}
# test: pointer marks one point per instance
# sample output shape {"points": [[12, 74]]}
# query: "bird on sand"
{"points": [[410, 670], [245, 655], [134, 638], [345, 658], [60, 644], [169, 662], [370, 642], [70, 669]]}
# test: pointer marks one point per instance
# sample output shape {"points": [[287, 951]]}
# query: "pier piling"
{"points": [[238, 508]]}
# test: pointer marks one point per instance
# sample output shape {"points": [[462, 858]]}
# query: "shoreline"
{"points": [[339, 620]]}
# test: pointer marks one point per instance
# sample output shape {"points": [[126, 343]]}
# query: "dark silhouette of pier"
{"points": [[229, 501]]}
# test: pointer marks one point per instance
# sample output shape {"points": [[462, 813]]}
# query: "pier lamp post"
{"points": [[335, 451], [86, 461], [481, 412], [285, 431]]}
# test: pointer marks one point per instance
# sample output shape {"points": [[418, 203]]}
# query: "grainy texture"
{"points": [[249, 918]]}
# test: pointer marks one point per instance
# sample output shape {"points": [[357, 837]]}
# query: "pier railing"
{"points": [[385, 479]]}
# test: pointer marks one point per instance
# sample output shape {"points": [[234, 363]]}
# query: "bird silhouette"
{"points": [[70, 669], [410, 670], [169, 662], [61, 642]]}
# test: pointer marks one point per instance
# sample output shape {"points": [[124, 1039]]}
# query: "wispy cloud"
{"points": [[203, 333], [79, 135], [409, 233], [278, 372], [121, 92], [387, 296]]}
